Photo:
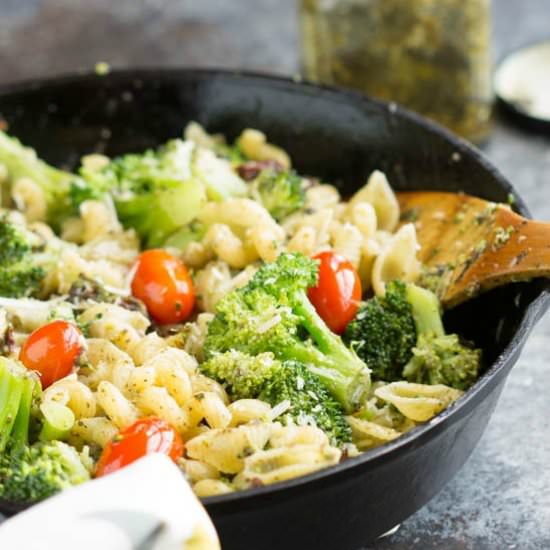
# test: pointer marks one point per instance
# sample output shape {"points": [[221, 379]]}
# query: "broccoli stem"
{"points": [[20, 431], [340, 369], [21, 161], [11, 389], [425, 311], [58, 420]]}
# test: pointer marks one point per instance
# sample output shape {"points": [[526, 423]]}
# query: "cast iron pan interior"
{"points": [[341, 137]]}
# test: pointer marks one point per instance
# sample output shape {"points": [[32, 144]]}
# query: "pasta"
{"points": [[397, 260], [133, 366], [379, 194], [254, 144], [73, 393], [117, 408], [246, 410], [225, 449], [284, 463], [419, 402]]}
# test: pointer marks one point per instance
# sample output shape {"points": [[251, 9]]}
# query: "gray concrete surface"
{"points": [[501, 498]]}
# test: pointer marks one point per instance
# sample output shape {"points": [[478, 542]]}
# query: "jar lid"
{"points": [[522, 85]]}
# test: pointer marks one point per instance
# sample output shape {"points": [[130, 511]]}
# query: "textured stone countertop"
{"points": [[501, 498]]}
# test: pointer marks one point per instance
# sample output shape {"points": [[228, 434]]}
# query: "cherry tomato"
{"points": [[143, 437], [164, 285], [52, 351], [338, 292]]}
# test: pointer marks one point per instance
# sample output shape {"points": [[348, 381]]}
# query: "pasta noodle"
{"points": [[397, 260], [29, 198], [255, 146], [378, 192], [118, 408], [319, 197], [195, 470], [225, 449], [347, 240], [98, 431], [419, 402], [245, 410], [76, 395], [99, 219], [213, 410], [211, 487], [157, 401], [370, 434], [284, 463]]}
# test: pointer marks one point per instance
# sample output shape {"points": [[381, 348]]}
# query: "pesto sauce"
{"points": [[432, 56]]}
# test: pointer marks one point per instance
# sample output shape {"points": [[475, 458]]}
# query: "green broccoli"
{"points": [[22, 162], [443, 360], [266, 378], [17, 388], [29, 472], [154, 192], [383, 332], [402, 336], [280, 192], [438, 358], [273, 313], [192, 232], [20, 271], [39, 471]]}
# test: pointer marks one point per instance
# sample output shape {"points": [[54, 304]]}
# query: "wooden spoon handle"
{"points": [[517, 250], [469, 245]]}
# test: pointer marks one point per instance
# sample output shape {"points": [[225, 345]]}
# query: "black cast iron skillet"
{"points": [[340, 136]]}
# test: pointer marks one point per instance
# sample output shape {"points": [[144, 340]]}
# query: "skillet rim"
{"points": [[333, 93]]}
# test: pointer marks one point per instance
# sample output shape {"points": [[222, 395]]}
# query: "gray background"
{"points": [[501, 498]]}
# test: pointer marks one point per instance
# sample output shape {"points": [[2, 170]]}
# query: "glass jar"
{"points": [[431, 56]]}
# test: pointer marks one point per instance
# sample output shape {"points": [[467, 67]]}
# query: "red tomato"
{"points": [[52, 351], [143, 437], [338, 292], [164, 285]]}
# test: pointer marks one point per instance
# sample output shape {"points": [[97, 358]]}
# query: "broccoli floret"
{"points": [[438, 358], [383, 332], [402, 336], [153, 192], [22, 162], [273, 313], [39, 471], [29, 473], [443, 360], [20, 273], [280, 192], [266, 378]]}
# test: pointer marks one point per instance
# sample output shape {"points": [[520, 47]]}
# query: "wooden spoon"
{"points": [[469, 245]]}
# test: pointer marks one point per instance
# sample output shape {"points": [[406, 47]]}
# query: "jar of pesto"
{"points": [[431, 56]]}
